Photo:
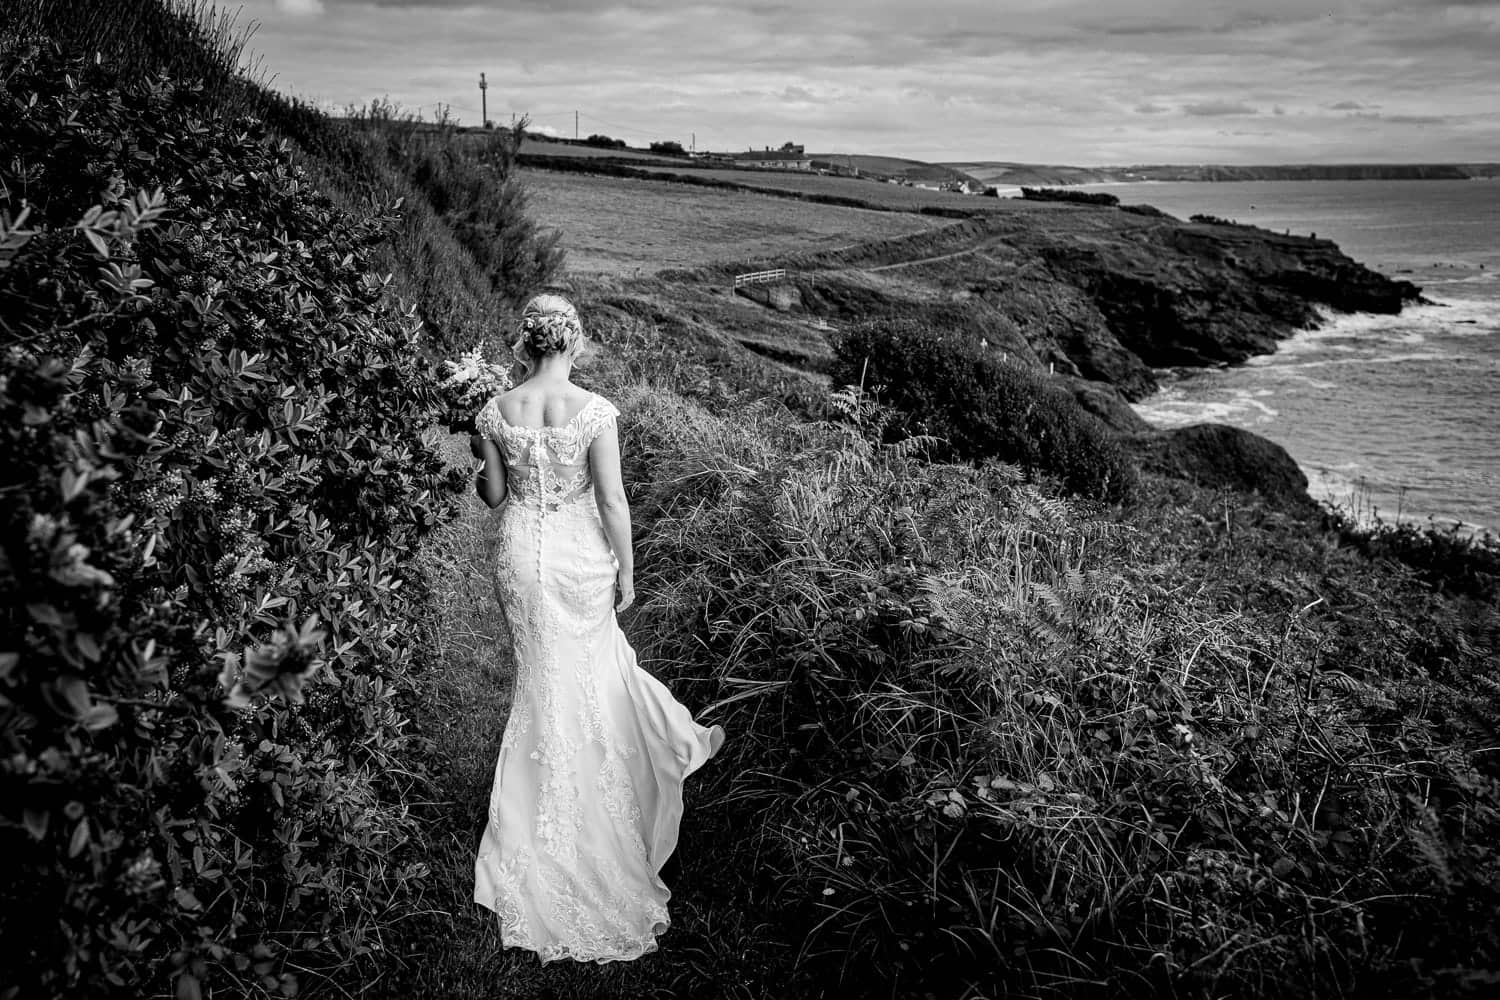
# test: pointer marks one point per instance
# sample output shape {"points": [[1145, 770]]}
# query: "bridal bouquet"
{"points": [[467, 383]]}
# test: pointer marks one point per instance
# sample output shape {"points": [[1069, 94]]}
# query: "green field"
{"points": [[891, 196], [623, 226], [540, 147]]}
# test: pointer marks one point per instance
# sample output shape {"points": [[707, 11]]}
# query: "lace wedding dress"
{"points": [[588, 786]]}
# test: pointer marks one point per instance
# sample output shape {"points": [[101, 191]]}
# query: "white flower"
{"points": [[76, 572], [43, 528]]}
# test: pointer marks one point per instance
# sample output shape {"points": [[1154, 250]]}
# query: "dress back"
{"points": [[547, 467]]}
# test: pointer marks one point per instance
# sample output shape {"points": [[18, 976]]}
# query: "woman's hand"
{"points": [[626, 582], [476, 445]]}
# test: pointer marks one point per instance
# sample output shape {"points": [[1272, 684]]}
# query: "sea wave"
{"points": [[1482, 278], [1172, 407], [1356, 332], [1376, 359]]}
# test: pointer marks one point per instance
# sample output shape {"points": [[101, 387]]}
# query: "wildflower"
{"points": [[136, 368], [142, 875], [76, 572], [165, 495], [1181, 734], [42, 530]]}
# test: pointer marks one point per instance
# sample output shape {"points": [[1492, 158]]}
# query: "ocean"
{"points": [[1395, 415]]}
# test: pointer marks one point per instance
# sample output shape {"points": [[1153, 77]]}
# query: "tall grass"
{"points": [[984, 742]]}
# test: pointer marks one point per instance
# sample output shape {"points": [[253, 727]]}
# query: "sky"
{"points": [[1086, 82]]}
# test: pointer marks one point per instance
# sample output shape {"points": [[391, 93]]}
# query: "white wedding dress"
{"points": [[588, 786]]}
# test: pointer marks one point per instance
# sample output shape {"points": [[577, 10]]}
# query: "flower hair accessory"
{"points": [[550, 325]]}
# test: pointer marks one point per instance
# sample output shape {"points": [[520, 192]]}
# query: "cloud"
{"points": [[1037, 80], [1210, 109], [1406, 119]]}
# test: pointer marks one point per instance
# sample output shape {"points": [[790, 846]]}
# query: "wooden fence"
{"points": [[759, 277]]}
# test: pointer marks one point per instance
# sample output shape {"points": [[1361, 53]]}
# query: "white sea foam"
{"points": [[1482, 278], [1171, 407], [1379, 359], [1446, 316]]}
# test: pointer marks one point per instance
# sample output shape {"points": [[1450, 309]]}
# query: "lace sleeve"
{"points": [[602, 414], [487, 420]]}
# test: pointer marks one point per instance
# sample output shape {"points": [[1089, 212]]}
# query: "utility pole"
{"points": [[484, 107], [575, 124]]}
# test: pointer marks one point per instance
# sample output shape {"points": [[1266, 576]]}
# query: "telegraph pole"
{"points": [[575, 125], [484, 108]]}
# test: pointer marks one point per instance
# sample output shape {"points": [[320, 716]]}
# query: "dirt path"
{"points": [[925, 260]]}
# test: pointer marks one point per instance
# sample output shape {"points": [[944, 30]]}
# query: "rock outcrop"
{"points": [[1097, 293], [1217, 455], [1104, 298]]}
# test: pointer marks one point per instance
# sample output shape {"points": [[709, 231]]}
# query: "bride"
{"points": [[588, 786]]}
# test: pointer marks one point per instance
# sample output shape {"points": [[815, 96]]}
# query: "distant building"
{"points": [[788, 157]]}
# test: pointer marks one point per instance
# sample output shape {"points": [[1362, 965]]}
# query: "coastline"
{"points": [[1254, 396]]}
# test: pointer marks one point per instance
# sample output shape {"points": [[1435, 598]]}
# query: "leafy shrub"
{"points": [[197, 40], [470, 182], [1150, 211], [213, 477], [670, 147], [1212, 220], [1067, 194], [604, 142], [947, 385]]}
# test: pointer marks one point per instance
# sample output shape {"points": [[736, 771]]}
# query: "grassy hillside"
{"points": [[625, 226], [895, 166], [1007, 175]]}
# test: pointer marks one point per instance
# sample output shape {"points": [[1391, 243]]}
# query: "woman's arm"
{"points": [[490, 482], [614, 509]]}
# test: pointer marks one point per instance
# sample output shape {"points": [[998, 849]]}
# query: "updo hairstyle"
{"points": [[549, 325]]}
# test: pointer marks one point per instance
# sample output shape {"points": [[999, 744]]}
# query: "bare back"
{"points": [[533, 406]]}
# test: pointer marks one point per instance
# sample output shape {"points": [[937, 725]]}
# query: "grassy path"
{"points": [[456, 954]]}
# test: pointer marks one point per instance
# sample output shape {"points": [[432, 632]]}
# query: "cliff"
{"points": [[1101, 297], [1104, 295]]}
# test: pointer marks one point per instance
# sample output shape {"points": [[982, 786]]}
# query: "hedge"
{"points": [[212, 479]]}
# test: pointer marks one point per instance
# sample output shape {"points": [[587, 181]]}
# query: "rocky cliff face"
{"points": [[1096, 293], [1187, 294], [1103, 297]]}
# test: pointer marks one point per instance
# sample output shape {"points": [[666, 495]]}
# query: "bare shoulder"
{"points": [[552, 406]]}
